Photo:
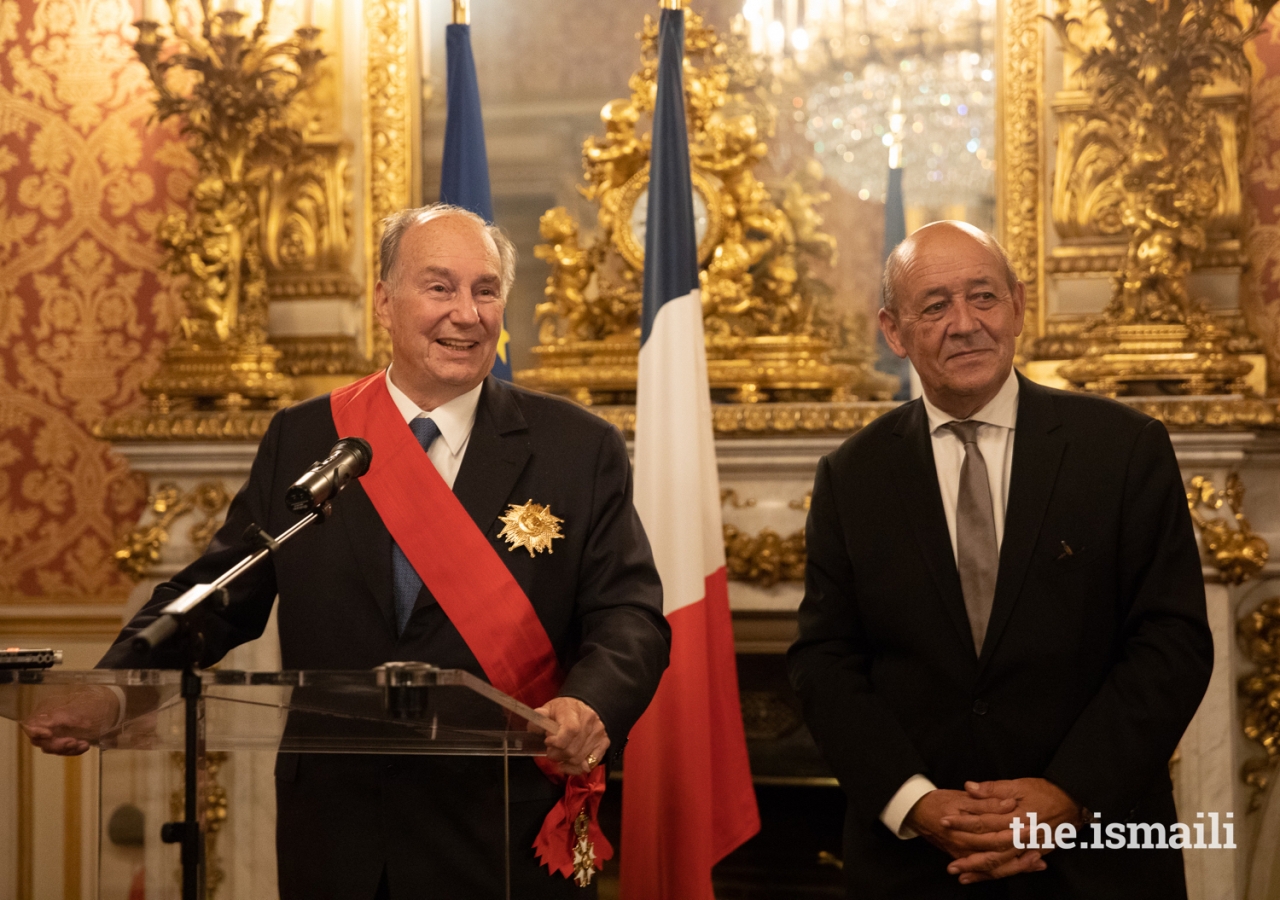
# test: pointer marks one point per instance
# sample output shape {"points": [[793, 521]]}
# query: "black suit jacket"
{"points": [[1095, 659], [434, 821]]}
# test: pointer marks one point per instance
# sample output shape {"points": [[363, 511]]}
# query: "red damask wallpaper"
{"points": [[84, 178]]}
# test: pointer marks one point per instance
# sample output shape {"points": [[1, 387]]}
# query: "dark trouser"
{"points": [[411, 828]]}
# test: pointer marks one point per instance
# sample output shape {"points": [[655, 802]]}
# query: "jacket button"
{"points": [[979, 707]]}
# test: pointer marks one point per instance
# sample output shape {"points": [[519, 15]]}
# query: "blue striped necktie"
{"points": [[405, 580]]}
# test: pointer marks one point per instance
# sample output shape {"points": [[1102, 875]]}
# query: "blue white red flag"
{"points": [[687, 798], [464, 174]]}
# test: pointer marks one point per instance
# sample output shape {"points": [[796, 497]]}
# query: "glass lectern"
{"points": [[243, 719]]}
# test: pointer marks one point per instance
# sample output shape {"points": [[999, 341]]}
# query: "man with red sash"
{"points": [[421, 561]]}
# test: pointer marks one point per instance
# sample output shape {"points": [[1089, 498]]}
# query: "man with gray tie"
{"points": [[1004, 614]]}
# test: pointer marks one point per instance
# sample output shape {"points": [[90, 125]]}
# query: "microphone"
{"points": [[349, 458]]}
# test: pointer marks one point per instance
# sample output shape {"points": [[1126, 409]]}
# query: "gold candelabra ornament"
{"points": [[1147, 79], [770, 331], [235, 95]]}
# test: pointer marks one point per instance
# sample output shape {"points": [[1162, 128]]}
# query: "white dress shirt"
{"points": [[454, 419], [995, 440]]}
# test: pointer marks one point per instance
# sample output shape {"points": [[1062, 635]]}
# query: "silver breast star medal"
{"points": [[531, 526]]}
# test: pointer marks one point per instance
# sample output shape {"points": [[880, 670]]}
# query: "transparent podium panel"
{"points": [[251, 727]]}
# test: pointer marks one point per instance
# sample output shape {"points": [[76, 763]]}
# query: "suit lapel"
{"points": [[917, 478], [1038, 445], [496, 455]]}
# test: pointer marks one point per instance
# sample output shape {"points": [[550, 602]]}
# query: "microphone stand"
{"points": [[177, 618]]}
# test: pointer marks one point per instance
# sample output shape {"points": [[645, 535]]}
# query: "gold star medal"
{"points": [[530, 525]]}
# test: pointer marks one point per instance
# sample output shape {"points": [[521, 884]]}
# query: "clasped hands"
{"points": [[974, 826], [581, 743]]}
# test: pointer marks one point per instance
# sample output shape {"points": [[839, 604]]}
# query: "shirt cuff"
{"points": [[894, 814], [119, 692]]}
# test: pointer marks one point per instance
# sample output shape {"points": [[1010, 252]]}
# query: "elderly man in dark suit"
{"points": [[352, 827], [1003, 613]]}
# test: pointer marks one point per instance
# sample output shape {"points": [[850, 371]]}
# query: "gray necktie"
{"points": [[978, 556], [404, 578]]}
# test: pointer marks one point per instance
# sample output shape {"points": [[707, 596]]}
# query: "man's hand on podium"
{"points": [[70, 724], [581, 743]]}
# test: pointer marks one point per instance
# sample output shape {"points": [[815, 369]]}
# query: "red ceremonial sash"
{"points": [[468, 578]]}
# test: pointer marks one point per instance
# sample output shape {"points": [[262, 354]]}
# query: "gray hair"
{"points": [[395, 226], [897, 261]]}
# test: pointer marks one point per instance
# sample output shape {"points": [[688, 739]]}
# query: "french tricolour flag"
{"points": [[687, 797]]}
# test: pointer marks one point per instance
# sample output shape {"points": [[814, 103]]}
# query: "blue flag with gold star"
{"points": [[464, 174]]}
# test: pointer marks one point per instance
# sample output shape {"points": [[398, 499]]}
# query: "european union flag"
{"points": [[895, 232], [464, 176]]}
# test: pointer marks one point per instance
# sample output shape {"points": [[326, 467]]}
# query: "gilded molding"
{"points": [[216, 425], [321, 354], [389, 140], [1211, 413], [1259, 634], [760, 419], [1235, 550], [1020, 164], [796, 419], [1108, 259]]}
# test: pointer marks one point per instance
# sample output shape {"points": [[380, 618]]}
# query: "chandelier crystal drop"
{"points": [[879, 83]]}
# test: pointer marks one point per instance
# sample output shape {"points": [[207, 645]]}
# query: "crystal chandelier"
{"points": [[880, 83]]}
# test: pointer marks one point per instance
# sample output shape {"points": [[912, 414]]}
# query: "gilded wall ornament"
{"points": [[215, 808], [770, 335], [235, 94], [1019, 164], [1151, 142], [765, 558], [1259, 634], [140, 550], [1233, 547], [305, 211], [388, 128]]}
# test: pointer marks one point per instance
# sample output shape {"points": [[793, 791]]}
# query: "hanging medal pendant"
{"points": [[584, 852]]}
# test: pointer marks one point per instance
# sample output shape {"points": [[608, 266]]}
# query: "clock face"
{"points": [[633, 210], [640, 215]]}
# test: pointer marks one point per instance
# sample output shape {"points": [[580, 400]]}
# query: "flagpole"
{"points": [[461, 12]]}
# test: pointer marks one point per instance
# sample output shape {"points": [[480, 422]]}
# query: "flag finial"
{"points": [[461, 12]]}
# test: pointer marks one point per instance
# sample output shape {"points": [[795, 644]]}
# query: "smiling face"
{"points": [[955, 317], [442, 304]]}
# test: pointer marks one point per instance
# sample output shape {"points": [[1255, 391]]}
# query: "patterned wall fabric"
{"points": [[1261, 295], [84, 179]]}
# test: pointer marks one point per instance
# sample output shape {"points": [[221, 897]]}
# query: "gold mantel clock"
{"points": [[771, 332], [633, 209]]}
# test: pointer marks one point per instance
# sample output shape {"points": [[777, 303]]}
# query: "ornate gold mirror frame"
{"points": [[1020, 159], [391, 104]]}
